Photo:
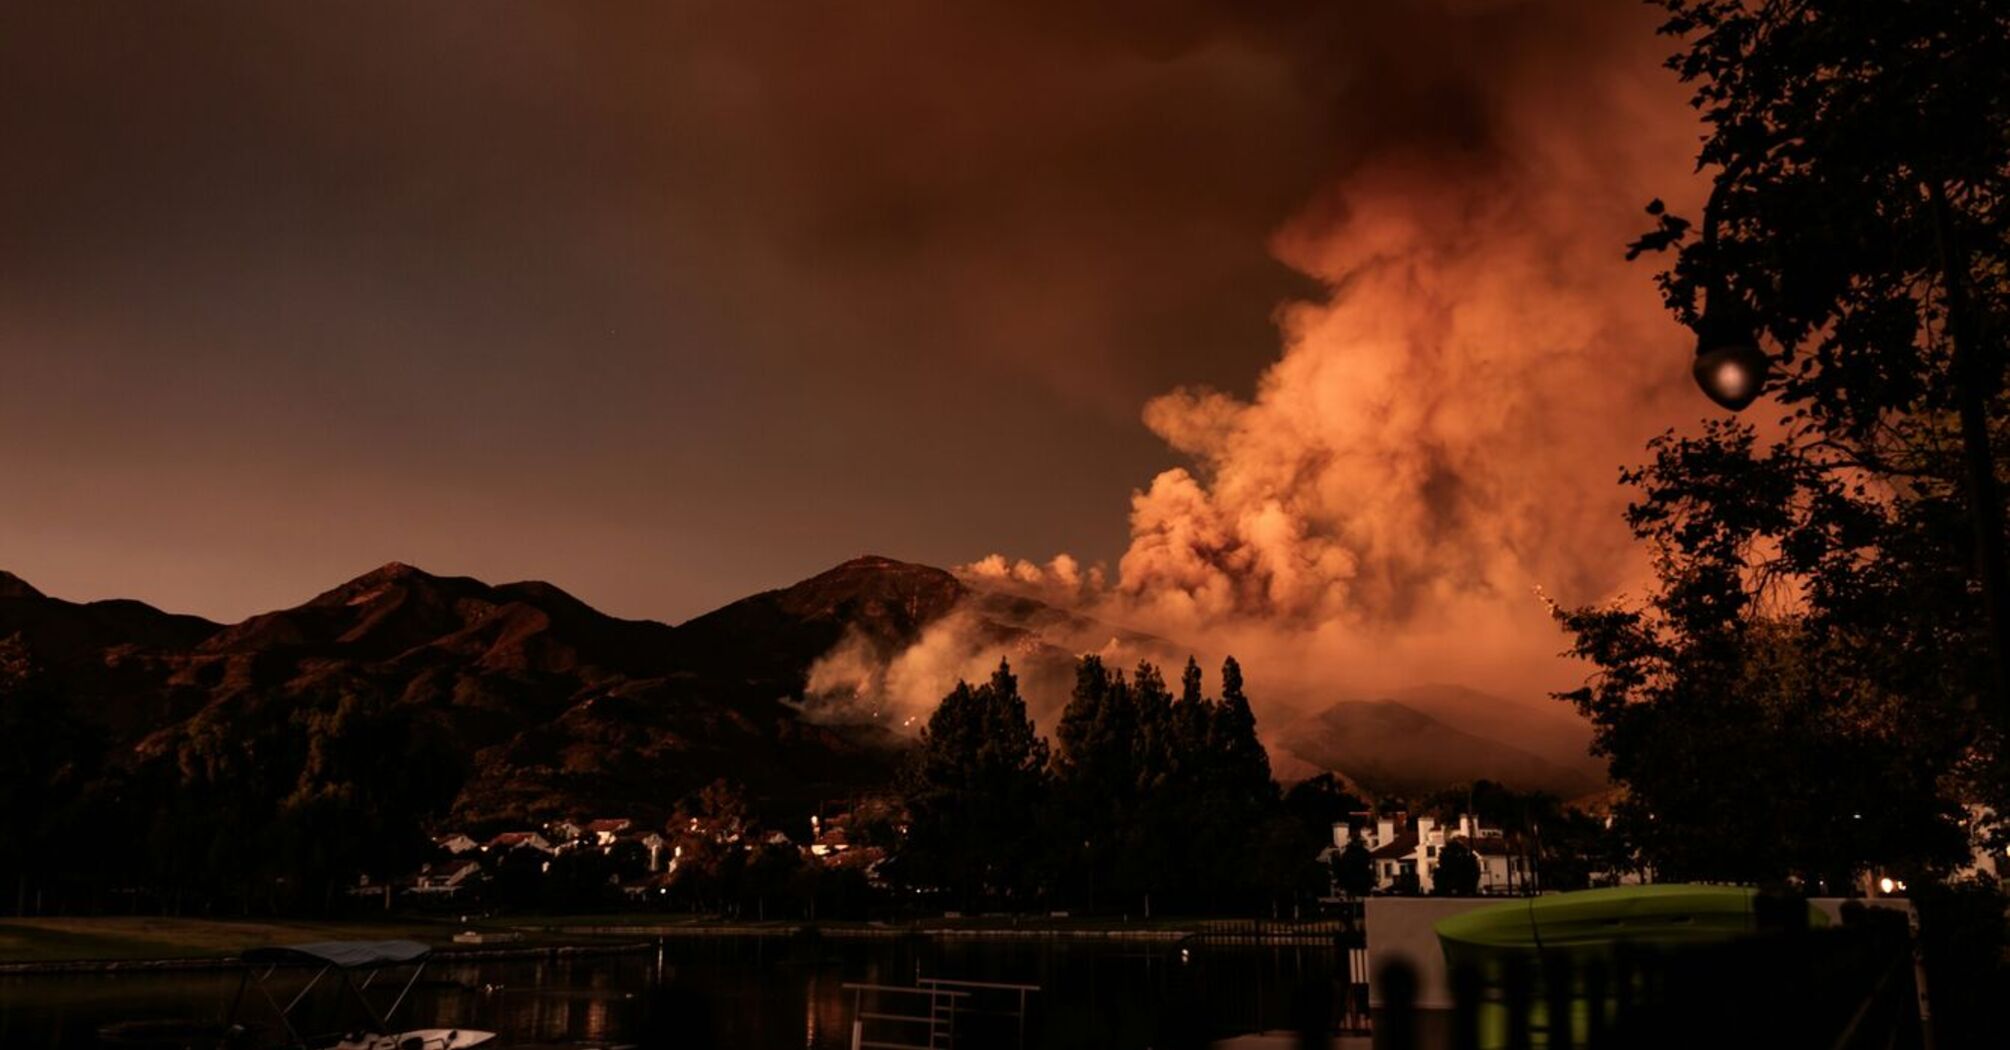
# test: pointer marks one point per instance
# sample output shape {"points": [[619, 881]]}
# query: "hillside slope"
{"points": [[1388, 746]]}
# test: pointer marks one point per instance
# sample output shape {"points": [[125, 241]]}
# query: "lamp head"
{"points": [[1730, 367]]}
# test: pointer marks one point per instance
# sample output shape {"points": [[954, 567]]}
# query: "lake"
{"points": [[752, 993]]}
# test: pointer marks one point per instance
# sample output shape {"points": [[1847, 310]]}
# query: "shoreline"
{"points": [[611, 935], [33, 968]]}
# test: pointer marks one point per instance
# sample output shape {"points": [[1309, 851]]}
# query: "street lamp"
{"points": [[1730, 366]]}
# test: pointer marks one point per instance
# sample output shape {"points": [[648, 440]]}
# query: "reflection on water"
{"points": [[744, 993]]}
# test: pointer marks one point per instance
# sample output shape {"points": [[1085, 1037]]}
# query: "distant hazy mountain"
{"points": [[1549, 729], [1392, 746]]}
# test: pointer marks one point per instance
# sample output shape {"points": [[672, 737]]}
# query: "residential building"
{"points": [[1400, 851], [456, 843], [510, 840], [606, 831], [446, 879], [565, 832]]}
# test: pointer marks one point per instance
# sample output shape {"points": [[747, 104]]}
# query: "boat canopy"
{"points": [[348, 955]]}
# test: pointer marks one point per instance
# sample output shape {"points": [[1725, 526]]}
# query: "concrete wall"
{"points": [[1401, 928]]}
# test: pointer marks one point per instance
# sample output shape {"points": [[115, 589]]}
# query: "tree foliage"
{"points": [[1831, 123], [1458, 872], [1354, 868], [49, 761], [1149, 799], [1798, 695], [975, 792]]}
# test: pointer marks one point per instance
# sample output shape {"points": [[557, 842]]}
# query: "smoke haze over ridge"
{"points": [[1437, 446]]}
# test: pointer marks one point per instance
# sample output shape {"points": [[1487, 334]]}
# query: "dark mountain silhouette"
{"points": [[12, 586], [402, 614], [771, 639], [554, 707], [1388, 746], [113, 657]]}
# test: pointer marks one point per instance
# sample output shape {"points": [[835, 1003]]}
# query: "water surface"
{"points": [[749, 994]]}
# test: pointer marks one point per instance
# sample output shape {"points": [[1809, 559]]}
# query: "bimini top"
{"points": [[346, 954]]}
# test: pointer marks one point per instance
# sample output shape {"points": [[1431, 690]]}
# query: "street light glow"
{"points": [[1732, 375]]}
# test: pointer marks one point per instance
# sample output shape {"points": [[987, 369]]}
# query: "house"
{"points": [[1400, 854], [835, 843], [652, 841], [830, 837], [565, 832], [1503, 869], [510, 840], [604, 832], [456, 843], [446, 879]]}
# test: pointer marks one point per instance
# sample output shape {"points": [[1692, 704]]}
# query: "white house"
{"points": [[1395, 851]]}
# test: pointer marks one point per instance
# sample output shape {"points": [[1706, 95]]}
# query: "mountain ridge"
{"points": [[1388, 746], [555, 706]]}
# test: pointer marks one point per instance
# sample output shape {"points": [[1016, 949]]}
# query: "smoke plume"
{"points": [[1437, 445]]}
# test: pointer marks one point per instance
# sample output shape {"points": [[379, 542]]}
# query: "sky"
{"points": [[1299, 318]]}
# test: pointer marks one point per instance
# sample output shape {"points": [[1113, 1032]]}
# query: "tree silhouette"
{"points": [[49, 758], [1458, 871], [975, 792], [1797, 697], [1354, 868]]}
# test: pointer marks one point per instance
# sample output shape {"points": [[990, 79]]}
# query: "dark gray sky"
{"points": [[663, 302]]}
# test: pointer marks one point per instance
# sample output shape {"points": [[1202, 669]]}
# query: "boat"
{"points": [[346, 960]]}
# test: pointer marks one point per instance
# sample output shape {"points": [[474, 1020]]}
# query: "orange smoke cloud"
{"points": [[1440, 438]]}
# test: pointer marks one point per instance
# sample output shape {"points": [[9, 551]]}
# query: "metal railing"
{"points": [[994, 999], [895, 1026]]}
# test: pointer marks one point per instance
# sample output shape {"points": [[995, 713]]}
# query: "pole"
{"points": [[1973, 386]]}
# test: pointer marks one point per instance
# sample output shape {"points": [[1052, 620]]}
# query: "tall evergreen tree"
{"points": [[1354, 868], [1093, 773], [48, 757], [1458, 871], [974, 792], [1246, 765]]}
